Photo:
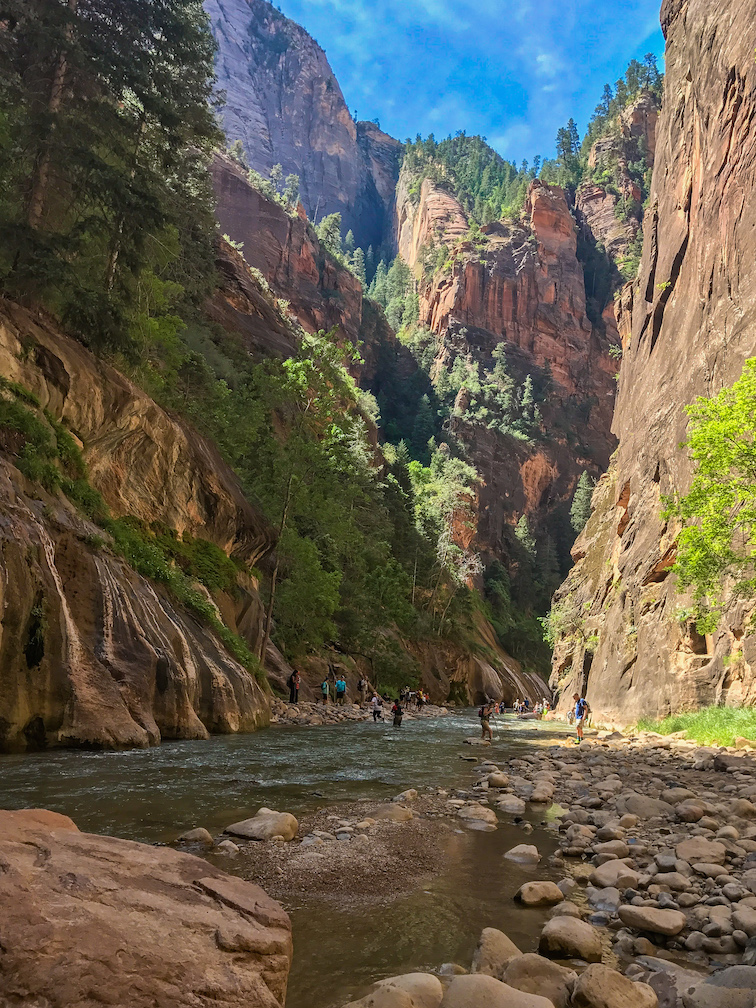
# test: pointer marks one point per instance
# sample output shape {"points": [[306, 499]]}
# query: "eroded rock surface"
{"points": [[92, 653], [90, 919], [687, 325]]}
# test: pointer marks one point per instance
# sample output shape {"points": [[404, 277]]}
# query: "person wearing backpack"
{"points": [[340, 690], [376, 705], [325, 689], [397, 711], [582, 710]]}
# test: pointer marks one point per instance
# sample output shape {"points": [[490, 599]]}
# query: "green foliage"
{"points": [[487, 186], [105, 201], [580, 510], [708, 726], [717, 546], [329, 233]]}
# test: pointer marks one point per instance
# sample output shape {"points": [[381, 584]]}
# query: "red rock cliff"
{"points": [[687, 325], [284, 103], [521, 284]]}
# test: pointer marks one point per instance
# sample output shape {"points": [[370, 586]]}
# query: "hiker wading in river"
{"points": [[485, 720], [582, 710]]}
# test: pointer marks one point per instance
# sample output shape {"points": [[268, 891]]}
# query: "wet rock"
{"points": [[498, 780], [478, 813], [511, 804], [566, 909], [523, 854], [227, 847], [424, 989], [539, 894], [493, 953], [451, 969], [197, 835], [143, 926], [665, 922], [479, 991], [568, 937], [535, 974], [602, 987], [265, 825]]}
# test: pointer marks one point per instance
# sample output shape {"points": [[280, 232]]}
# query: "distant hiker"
{"points": [[526, 703], [485, 723], [340, 690], [420, 699], [582, 710], [362, 689], [376, 705], [325, 689], [293, 683], [397, 711]]}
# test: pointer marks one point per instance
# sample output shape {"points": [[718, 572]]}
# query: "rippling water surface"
{"points": [[154, 794]]}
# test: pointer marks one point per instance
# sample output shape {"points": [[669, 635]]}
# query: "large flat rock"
{"points": [[91, 920]]}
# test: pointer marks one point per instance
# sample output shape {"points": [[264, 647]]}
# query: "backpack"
{"points": [[481, 712]]}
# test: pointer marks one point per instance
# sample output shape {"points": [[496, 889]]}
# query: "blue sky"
{"points": [[513, 71]]}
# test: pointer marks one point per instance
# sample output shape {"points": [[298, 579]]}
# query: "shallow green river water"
{"points": [[153, 795]]}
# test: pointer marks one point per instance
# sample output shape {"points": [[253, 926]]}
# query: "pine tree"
{"points": [[329, 233], [422, 429], [276, 176], [108, 125], [358, 265], [580, 511], [349, 242], [291, 190], [525, 537], [527, 403]]}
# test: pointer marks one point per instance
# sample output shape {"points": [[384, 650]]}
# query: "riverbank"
{"points": [[310, 713]]}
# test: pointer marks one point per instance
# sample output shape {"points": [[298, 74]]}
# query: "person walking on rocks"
{"points": [[397, 711], [362, 689], [325, 689], [581, 713], [340, 690], [376, 705], [294, 682]]}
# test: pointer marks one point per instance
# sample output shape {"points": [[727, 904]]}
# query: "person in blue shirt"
{"points": [[581, 713], [340, 690]]}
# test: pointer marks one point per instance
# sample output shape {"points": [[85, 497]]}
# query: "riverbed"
{"points": [[153, 795]]}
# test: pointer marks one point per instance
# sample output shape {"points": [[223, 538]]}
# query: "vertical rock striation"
{"points": [[91, 653], [687, 325], [285, 105]]}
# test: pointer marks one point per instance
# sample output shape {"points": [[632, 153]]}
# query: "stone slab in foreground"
{"points": [[91, 920]]}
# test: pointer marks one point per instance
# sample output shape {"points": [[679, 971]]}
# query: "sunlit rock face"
{"points": [[93, 654], [687, 325], [522, 286], [285, 105]]}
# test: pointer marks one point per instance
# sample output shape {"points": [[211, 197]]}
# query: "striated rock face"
{"points": [[285, 249], [91, 920], [522, 286], [687, 325], [91, 653], [284, 103]]}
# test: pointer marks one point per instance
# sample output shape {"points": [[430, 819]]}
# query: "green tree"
{"points": [[276, 177], [580, 511], [291, 190], [525, 537], [349, 242], [357, 265], [718, 543], [108, 127], [423, 429], [329, 233]]}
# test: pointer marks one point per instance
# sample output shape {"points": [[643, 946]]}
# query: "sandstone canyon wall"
{"points": [[285, 105], [687, 325], [520, 284], [91, 653]]}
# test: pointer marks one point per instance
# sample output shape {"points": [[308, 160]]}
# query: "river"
{"points": [[152, 795]]}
